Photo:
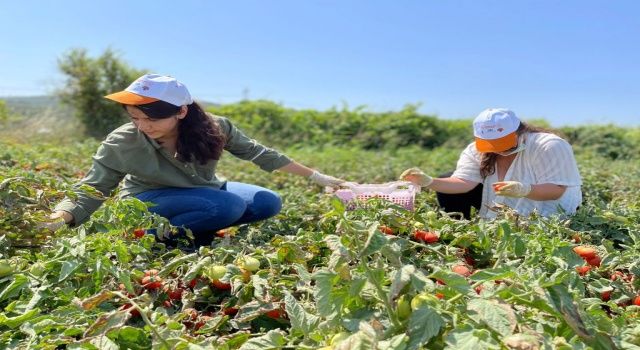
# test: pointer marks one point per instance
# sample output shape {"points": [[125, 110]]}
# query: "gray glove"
{"points": [[325, 180], [416, 176]]}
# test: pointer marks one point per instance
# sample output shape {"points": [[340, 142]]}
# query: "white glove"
{"points": [[416, 176], [325, 180], [511, 189], [52, 226]]}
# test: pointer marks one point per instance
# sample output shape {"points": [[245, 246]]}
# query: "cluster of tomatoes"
{"points": [[418, 235], [592, 259], [169, 292]]}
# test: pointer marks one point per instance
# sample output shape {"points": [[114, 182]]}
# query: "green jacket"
{"points": [[129, 154]]}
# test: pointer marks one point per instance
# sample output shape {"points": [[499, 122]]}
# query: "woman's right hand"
{"points": [[56, 221]]}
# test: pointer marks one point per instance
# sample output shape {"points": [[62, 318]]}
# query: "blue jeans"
{"points": [[206, 210]]}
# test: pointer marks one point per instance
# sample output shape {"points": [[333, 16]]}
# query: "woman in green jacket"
{"points": [[168, 155]]}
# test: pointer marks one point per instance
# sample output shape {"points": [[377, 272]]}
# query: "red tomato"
{"points": [[461, 270], [152, 282], [277, 313], [151, 272], [636, 300], [230, 311], [221, 285], [203, 320], [439, 295], [138, 233], [221, 233], [386, 230], [582, 270], [132, 311], [586, 252], [426, 236], [479, 289], [175, 294], [595, 261], [605, 296]]}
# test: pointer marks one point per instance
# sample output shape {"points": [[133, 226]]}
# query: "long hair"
{"points": [[488, 159], [199, 136]]}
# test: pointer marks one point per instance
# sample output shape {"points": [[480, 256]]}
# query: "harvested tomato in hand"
{"points": [[386, 230], [426, 236]]}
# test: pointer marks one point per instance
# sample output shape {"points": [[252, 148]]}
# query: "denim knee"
{"points": [[266, 204]]}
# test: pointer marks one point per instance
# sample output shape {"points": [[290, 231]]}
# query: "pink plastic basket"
{"points": [[399, 192]]}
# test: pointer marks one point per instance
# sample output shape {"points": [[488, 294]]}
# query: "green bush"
{"points": [[88, 81]]}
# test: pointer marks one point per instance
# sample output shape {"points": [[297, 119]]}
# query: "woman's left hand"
{"points": [[511, 189]]}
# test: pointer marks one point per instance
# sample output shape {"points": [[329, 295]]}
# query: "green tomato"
{"points": [[431, 215], [337, 338], [422, 299], [249, 263], [37, 269], [215, 272], [404, 307], [5, 268]]}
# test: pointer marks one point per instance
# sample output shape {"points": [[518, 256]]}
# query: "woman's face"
{"points": [[154, 128]]}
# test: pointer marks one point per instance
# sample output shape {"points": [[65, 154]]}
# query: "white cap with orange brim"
{"points": [[495, 130], [151, 88]]}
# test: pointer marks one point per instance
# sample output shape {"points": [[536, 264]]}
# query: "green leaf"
{"points": [[497, 316], [375, 241], [67, 268], [18, 282], [453, 280], [107, 322], [424, 324], [492, 274], [131, 338], [274, 339], [400, 280], [466, 337], [364, 339], [14, 322], [322, 292], [398, 342], [562, 301], [300, 318]]}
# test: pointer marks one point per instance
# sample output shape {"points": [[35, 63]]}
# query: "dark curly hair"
{"points": [[199, 136]]}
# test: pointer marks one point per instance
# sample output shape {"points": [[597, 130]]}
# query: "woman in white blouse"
{"points": [[516, 164]]}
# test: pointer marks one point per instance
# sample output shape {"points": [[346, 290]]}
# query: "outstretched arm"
{"points": [[452, 185], [313, 175]]}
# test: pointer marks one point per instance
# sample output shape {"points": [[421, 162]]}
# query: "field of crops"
{"points": [[317, 276]]}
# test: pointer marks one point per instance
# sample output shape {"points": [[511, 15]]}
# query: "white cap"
{"points": [[495, 130], [153, 87]]}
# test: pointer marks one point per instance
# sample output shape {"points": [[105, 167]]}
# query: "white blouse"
{"points": [[546, 158]]}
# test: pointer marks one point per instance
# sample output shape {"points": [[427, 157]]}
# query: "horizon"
{"points": [[570, 63]]}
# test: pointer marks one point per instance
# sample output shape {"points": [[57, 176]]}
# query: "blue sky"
{"points": [[570, 62]]}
